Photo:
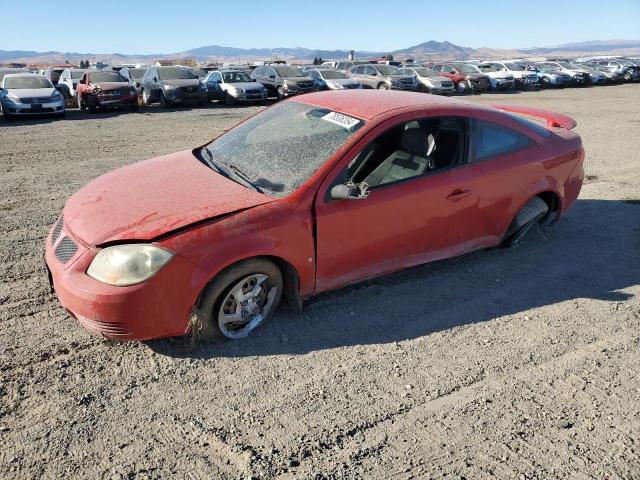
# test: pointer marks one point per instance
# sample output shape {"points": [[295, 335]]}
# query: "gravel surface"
{"points": [[515, 363]]}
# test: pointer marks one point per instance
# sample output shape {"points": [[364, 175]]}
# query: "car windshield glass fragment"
{"points": [[332, 75], [235, 77], [175, 74], [282, 147], [21, 83], [107, 77], [290, 72]]}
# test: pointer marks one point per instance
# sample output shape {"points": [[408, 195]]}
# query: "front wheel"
{"points": [[383, 86], [92, 103], [280, 92], [462, 87], [164, 103], [229, 100], [239, 300]]}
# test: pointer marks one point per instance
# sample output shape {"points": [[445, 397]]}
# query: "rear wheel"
{"points": [[242, 298], [532, 213]]}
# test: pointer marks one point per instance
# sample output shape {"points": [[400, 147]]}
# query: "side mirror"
{"points": [[350, 191]]}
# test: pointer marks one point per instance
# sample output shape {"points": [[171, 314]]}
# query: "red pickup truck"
{"points": [[104, 89]]}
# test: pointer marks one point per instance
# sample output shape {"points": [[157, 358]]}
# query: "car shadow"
{"points": [[592, 254]]}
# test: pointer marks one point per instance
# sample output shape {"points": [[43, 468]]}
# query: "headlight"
{"points": [[13, 98], [238, 91], [124, 265], [56, 96], [170, 87]]}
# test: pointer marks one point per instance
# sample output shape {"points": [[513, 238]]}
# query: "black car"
{"points": [[134, 75], [172, 85], [283, 80]]}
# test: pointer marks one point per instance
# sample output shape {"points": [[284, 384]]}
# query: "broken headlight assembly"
{"points": [[124, 265]]}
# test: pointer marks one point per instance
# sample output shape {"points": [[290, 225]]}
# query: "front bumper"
{"points": [[248, 97], [403, 86], [500, 84], [178, 96], [158, 307], [34, 109]]}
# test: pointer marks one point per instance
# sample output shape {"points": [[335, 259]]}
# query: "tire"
{"points": [[133, 106], [164, 103], [532, 213], [383, 86], [280, 92], [146, 98], [218, 301], [92, 103], [7, 116], [229, 100], [462, 87], [81, 104]]}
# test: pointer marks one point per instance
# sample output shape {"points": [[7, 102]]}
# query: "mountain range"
{"points": [[424, 51]]}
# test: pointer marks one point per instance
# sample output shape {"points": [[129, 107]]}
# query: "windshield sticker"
{"points": [[345, 121]]}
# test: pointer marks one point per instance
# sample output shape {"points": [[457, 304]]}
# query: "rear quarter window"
{"points": [[491, 140]]}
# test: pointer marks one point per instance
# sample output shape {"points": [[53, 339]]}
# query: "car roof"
{"points": [[370, 103]]}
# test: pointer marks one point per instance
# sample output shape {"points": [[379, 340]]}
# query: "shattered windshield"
{"points": [[279, 149]]}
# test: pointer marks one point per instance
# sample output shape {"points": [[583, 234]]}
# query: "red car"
{"points": [[102, 89], [312, 194]]}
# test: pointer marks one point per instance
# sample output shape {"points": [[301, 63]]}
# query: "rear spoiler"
{"points": [[553, 119]]}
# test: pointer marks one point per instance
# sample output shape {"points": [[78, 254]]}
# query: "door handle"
{"points": [[458, 194]]}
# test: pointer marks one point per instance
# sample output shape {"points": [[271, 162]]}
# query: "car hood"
{"points": [[245, 85], [150, 198], [436, 78], [342, 81], [298, 79], [31, 92], [185, 82], [111, 85]]}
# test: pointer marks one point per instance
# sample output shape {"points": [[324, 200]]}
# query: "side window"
{"points": [[448, 69], [370, 71], [437, 68], [410, 150], [489, 139], [358, 70], [260, 71]]}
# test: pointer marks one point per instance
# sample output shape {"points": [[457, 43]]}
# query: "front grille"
{"points": [[188, 89], [36, 100], [305, 84], [447, 84], [253, 94], [102, 328], [65, 250], [56, 231]]}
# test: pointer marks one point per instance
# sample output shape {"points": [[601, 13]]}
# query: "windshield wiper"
{"points": [[244, 176], [227, 172]]}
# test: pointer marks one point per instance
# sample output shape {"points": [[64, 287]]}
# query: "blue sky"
{"points": [[164, 26]]}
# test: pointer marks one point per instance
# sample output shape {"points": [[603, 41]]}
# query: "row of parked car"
{"points": [[51, 90]]}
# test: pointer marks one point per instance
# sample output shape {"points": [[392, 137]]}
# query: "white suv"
{"points": [[523, 78]]}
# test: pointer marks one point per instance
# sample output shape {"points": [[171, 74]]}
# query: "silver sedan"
{"points": [[29, 94]]}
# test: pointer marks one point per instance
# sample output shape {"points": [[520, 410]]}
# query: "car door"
{"points": [[502, 178], [403, 223]]}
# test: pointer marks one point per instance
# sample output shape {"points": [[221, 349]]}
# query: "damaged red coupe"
{"points": [[312, 194]]}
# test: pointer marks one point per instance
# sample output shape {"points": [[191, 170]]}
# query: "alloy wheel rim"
{"points": [[246, 305]]}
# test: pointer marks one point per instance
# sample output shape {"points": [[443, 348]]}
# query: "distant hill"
{"points": [[431, 50]]}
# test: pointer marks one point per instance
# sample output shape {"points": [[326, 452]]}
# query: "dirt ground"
{"points": [[516, 363]]}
